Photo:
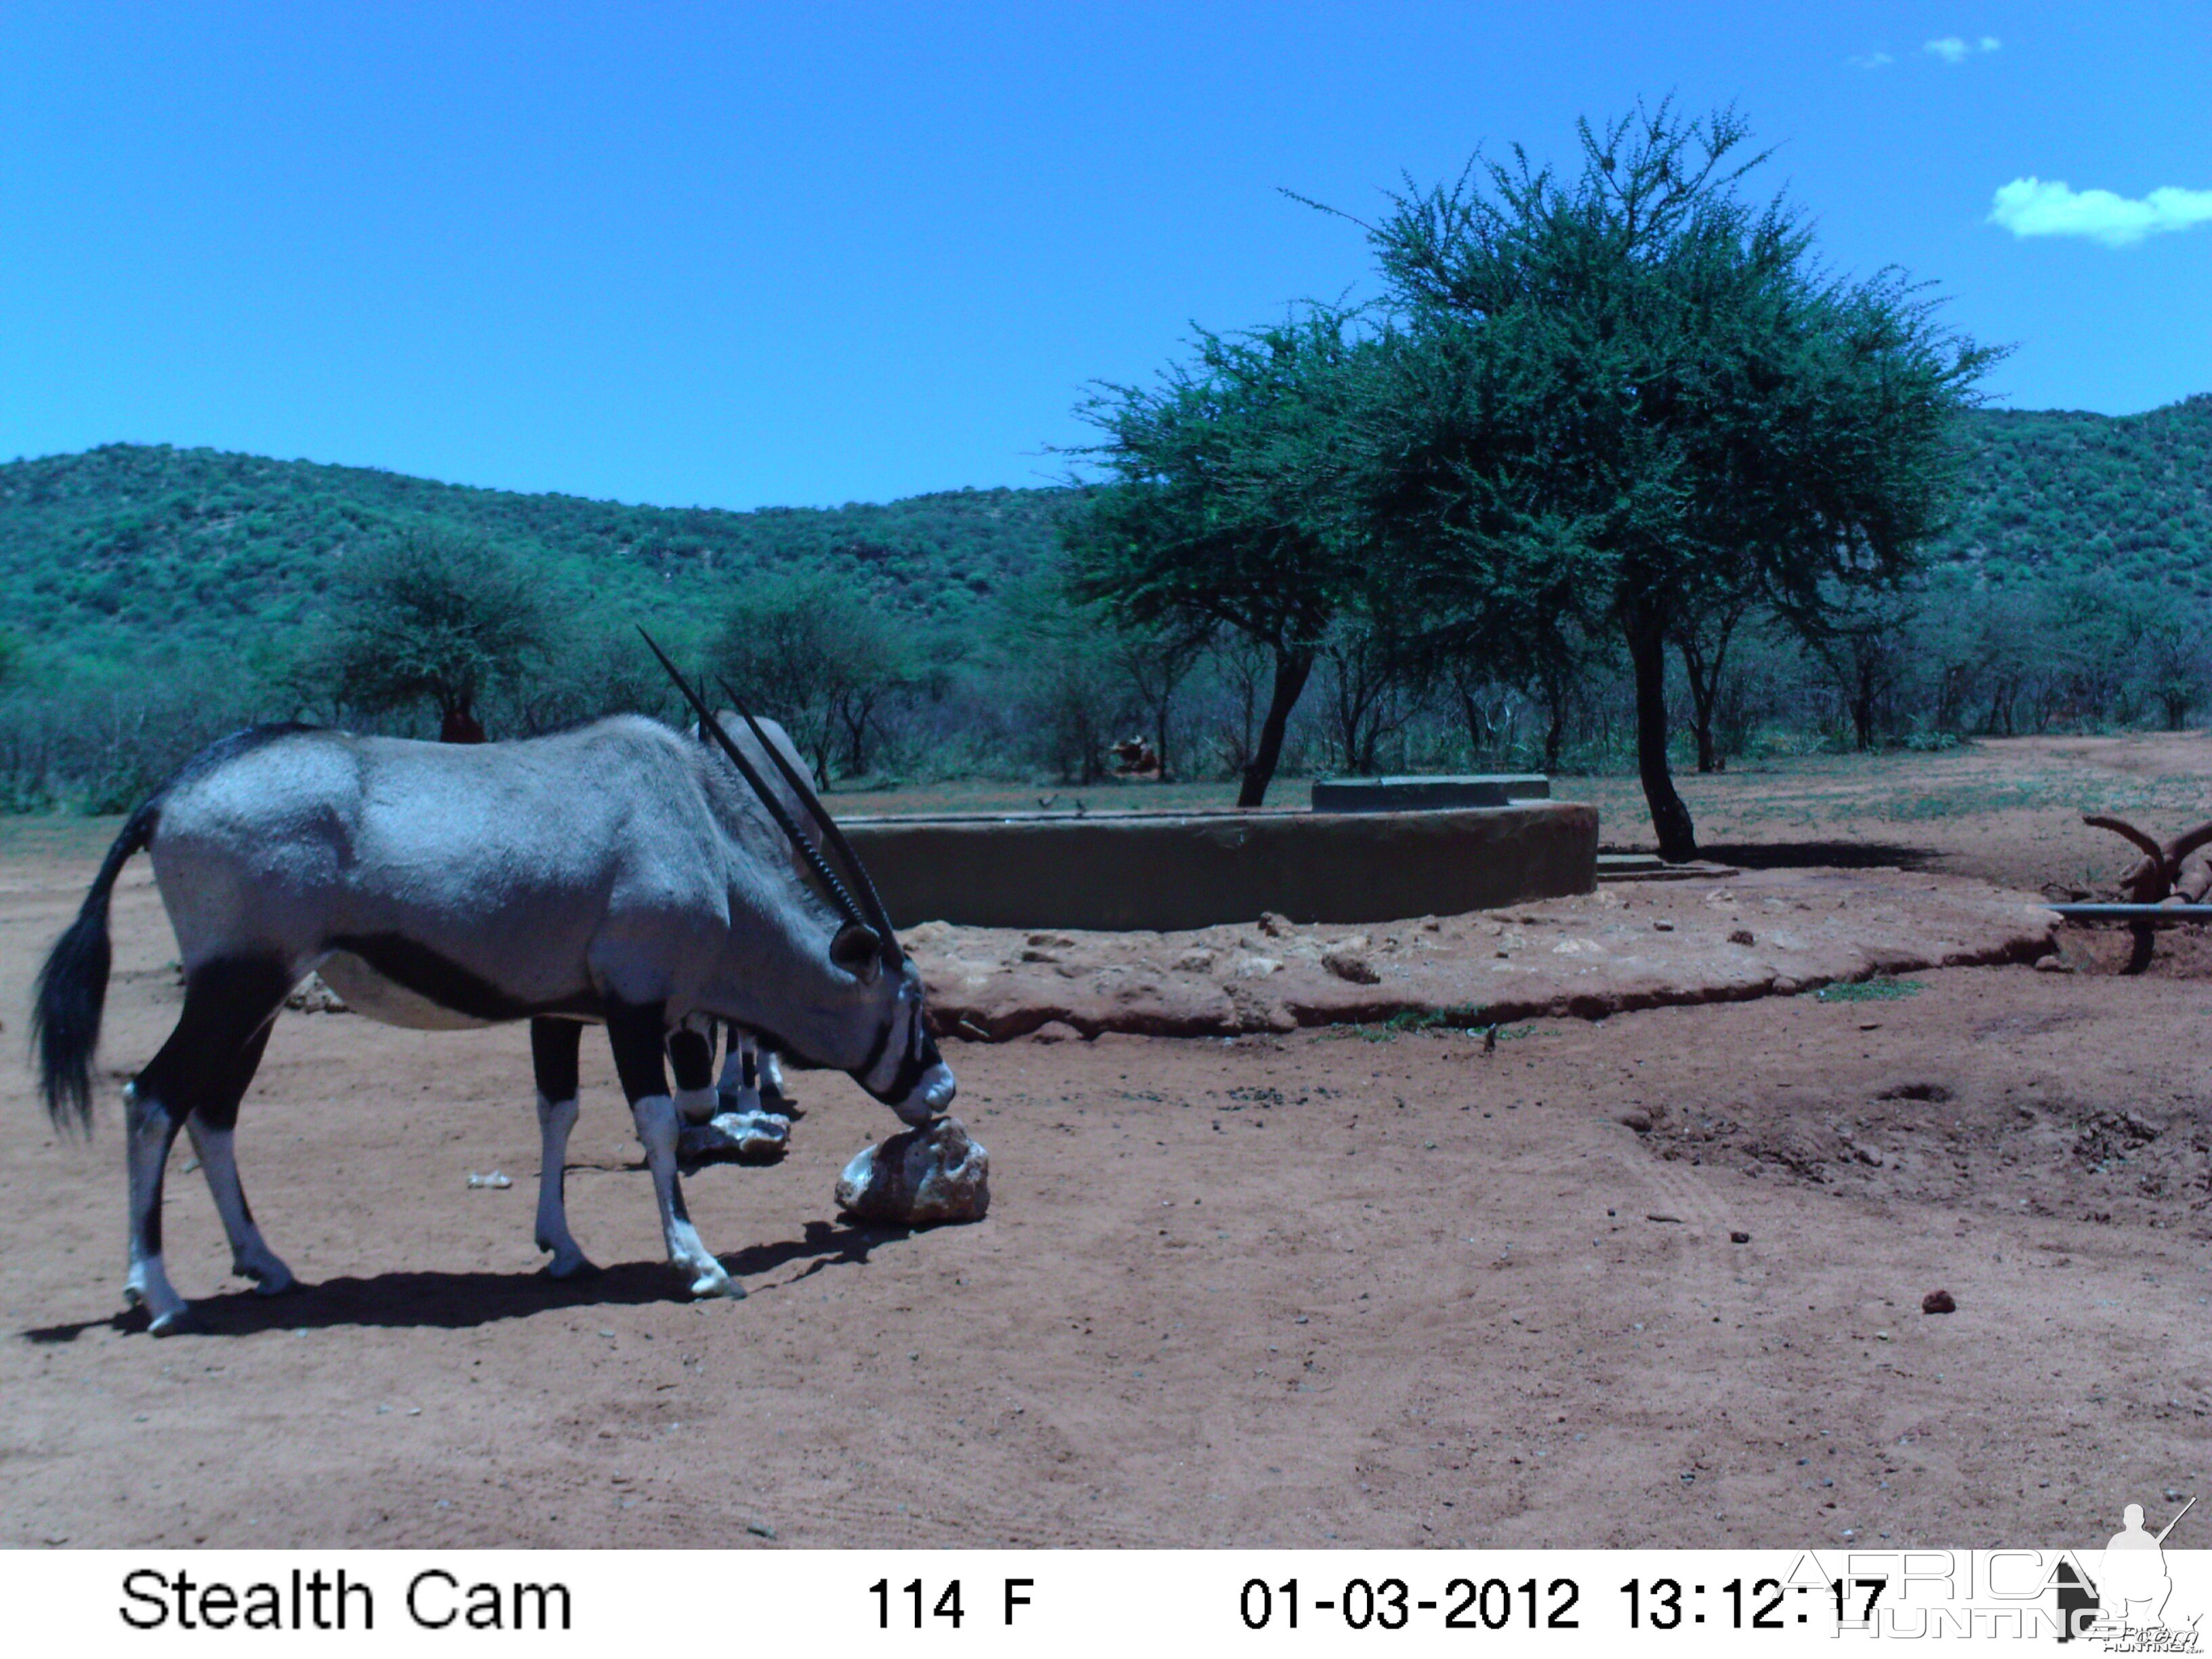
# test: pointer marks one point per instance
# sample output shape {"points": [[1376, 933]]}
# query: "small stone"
{"points": [[1639, 1121], [919, 1178], [2051, 964], [1739, 1238], [494, 1180], [1939, 1302], [1351, 965], [1275, 927], [1743, 936], [1055, 1031], [761, 1529], [1870, 1155]]}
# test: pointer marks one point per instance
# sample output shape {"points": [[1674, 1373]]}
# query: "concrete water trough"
{"points": [[1167, 872]]}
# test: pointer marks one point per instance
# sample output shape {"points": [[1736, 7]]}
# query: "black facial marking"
{"points": [[554, 1045], [440, 980]]}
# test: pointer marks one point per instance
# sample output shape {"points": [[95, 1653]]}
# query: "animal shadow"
{"points": [[1817, 854], [463, 1301]]}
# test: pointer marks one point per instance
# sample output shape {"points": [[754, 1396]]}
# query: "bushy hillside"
{"points": [[2051, 494], [104, 552]]}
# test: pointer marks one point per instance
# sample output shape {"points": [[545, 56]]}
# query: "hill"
{"points": [[2051, 494], [101, 551], [215, 553]]}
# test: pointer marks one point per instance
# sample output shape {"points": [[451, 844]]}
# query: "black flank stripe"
{"points": [[438, 979]]}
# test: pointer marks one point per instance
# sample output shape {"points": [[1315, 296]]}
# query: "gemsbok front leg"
{"points": [[200, 1075], [554, 1045], [691, 1052], [639, 1036]]}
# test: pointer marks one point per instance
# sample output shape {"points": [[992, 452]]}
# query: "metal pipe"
{"points": [[2133, 912]]}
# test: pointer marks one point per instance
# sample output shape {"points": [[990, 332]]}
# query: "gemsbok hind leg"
{"points": [[737, 1089], [227, 1006], [554, 1044], [640, 1040], [213, 1126]]}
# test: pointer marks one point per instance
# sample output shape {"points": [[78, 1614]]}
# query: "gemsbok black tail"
{"points": [[73, 986]]}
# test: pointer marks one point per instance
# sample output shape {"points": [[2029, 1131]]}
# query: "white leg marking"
{"points": [[250, 1256], [656, 1119], [147, 1284], [555, 1118]]}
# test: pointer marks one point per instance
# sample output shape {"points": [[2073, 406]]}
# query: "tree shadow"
{"points": [[462, 1301], [1817, 854]]}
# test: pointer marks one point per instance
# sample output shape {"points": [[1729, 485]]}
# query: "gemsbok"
{"points": [[620, 874]]}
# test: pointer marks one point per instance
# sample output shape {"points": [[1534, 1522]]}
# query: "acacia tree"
{"points": [[1152, 663], [1632, 393], [1222, 506], [1703, 634], [822, 658], [434, 618]]}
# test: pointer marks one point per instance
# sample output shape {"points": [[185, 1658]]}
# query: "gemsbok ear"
{"points": [[858, 951]]}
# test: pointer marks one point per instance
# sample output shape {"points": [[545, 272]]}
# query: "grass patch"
{"points": [[1880, 988], [1452, 1021]]}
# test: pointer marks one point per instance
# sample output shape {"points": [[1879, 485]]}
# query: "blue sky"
{"points": [[741, 255]]}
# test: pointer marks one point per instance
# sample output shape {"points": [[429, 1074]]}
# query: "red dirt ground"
{"points": [[1291, 1289]]}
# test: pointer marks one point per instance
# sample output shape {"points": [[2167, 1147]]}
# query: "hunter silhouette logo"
{"points": [[2121, 1607]]}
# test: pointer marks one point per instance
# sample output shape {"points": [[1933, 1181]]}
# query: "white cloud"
{"points": [[1872, 60], [1956, 49], [2030, 207]]}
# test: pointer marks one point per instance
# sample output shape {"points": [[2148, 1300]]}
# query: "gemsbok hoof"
{"points": [[273, 1279], [578, 1266], [714, 1281], [177, 1321]]}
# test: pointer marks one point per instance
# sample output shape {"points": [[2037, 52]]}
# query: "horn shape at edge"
{"points": [[807, 850], [878, 917]]}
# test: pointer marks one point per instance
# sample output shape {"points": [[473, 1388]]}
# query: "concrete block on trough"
{"points": [[1428, 794]]}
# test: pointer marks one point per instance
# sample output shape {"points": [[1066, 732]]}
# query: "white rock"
{"points": [[919, 1179], [748, 1137]]}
